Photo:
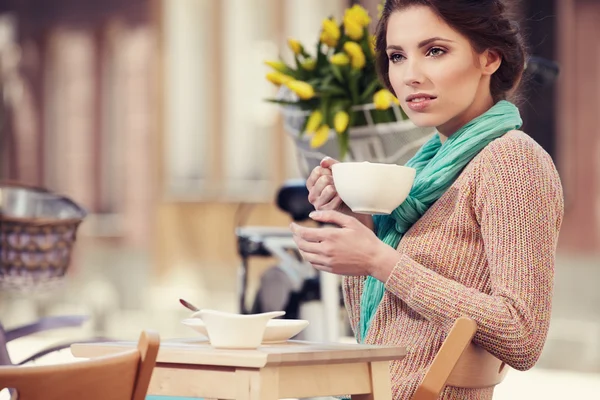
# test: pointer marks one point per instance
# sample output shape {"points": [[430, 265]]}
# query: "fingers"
{"points": [[322, 192], [323, 195], [307, 247], [327, 162], [314, 176], [311, 250], [324, 168], [315, 235], [321, 189], [334, 204], [316, 261], [333, 217]]}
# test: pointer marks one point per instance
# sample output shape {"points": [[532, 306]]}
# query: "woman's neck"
{"points": [[477, 108]]}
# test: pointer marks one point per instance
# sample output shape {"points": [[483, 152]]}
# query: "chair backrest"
{"points": [[460, 363], [123, 376], [4, 356]]}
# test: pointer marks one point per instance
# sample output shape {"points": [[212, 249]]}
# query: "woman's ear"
{"points": [[490, 61]]}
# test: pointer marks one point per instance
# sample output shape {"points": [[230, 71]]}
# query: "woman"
{"points": [[477, 235]]}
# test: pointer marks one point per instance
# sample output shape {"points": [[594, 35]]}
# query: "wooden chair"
{"points": [[460, 363], [123, 376]]}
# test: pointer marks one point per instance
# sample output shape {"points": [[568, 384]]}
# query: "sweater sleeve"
{"points": [[352, 289], [519, 206]]}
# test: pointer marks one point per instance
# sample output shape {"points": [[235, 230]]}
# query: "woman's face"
{"points": [[436, 74]]}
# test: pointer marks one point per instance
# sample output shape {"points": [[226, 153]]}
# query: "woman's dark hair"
{"points": [[487, 25]]}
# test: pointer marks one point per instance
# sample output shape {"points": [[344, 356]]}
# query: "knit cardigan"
{"points": [[486, 250]]}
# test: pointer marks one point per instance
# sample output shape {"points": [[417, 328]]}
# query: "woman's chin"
{"points": [[423, 120]]}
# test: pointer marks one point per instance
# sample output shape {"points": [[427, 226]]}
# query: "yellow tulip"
{"points": [[276, 65], [358, 14], [352, 48], [380, 10], [331, 28], [362, 14], [330, 33], [327, 40], [357, 57], [304, 90], [340, 59], [278, 78], [340, 121], [320, 136], [353, 29], [358, 62], [296, 46], [309, 64], [383, 99], [314, 121]]}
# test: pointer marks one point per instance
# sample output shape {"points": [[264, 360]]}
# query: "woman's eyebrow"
{"points": [[433, 39], [422, 43]]}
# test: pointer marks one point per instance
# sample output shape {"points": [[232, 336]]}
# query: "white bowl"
{"points": [[372, 188], [236, 331], [280, 330], [196, 324], [276, 331]]}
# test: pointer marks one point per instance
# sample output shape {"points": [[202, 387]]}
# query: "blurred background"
{"points": [[151, 115]]}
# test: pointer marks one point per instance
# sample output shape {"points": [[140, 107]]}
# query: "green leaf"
{"points": [[327, 80], [304, 105], [369, 91], [383, 116], [344, 139], [364, 45], [353, 84], [288, 70], [321, 55], [340, 105], [300, 73], [344, 142], [325, 109], [337, 72], [283, 102], [331, 90]]}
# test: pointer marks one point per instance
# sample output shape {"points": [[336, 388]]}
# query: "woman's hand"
{"points": [[321, 189], [349, 249], [323, 195]]}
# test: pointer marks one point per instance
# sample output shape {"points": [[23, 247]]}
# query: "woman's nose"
{"points": [[413, 75]]}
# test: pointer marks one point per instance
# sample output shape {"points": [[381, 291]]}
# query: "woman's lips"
{"points": [[420, 104]]}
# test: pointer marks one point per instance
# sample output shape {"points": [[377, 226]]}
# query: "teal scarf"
{"points": [[438, 165]]}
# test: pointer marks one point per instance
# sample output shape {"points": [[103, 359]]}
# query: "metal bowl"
{"points": [[33, 203]]}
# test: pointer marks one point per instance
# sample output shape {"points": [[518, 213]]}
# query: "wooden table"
{"points": [[295, 369]]}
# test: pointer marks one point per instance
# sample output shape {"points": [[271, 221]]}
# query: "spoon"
{"points": [[189, 305]]}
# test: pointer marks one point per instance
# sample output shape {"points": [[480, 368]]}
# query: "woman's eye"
{"points": [[436, 52], [396, 57]]}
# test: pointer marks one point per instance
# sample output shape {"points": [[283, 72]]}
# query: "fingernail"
{"points": [[314, 214]]}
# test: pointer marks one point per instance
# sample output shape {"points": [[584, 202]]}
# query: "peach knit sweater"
{"points": [[486, 250]]}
